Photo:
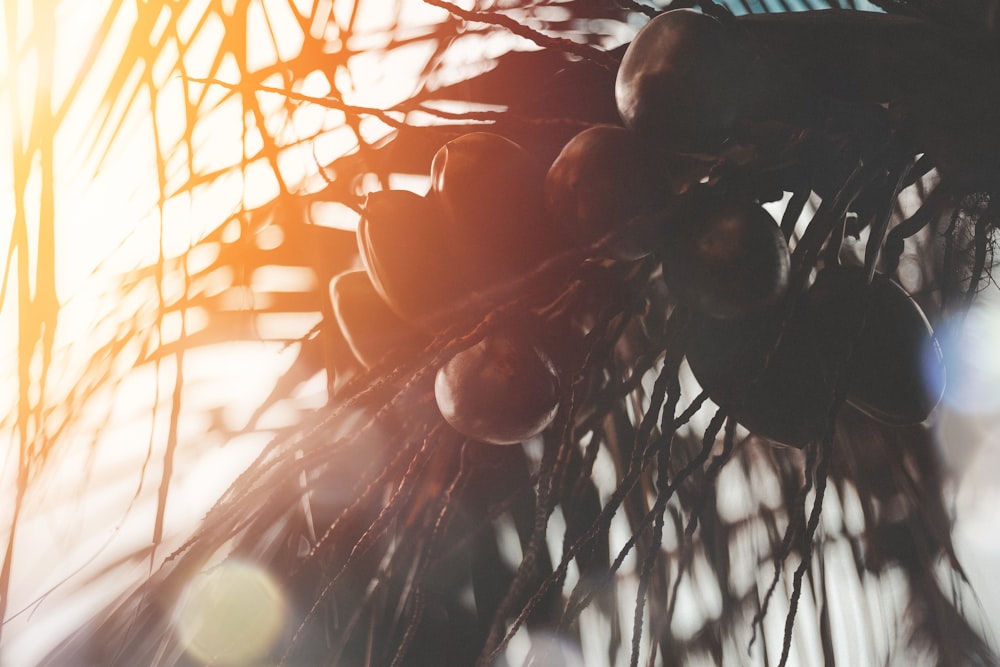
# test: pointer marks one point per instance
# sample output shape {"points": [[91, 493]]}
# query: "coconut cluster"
{"points": [[777, 357]]}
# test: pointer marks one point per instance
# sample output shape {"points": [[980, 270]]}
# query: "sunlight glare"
{"points": [[972, 358], [230, 615]]}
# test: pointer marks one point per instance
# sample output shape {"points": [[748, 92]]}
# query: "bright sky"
{"points": [[107, 222]]}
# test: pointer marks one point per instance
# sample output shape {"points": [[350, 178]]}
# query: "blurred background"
{"points": [[178, 185]]}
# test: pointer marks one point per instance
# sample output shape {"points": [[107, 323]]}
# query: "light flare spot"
{"points": [[230, 615], [972, 360]]}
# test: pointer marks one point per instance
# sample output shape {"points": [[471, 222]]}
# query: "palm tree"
{"points": [[223, 152]]}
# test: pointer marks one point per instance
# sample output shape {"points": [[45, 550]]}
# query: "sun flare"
{"points": [[142, 157]]}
